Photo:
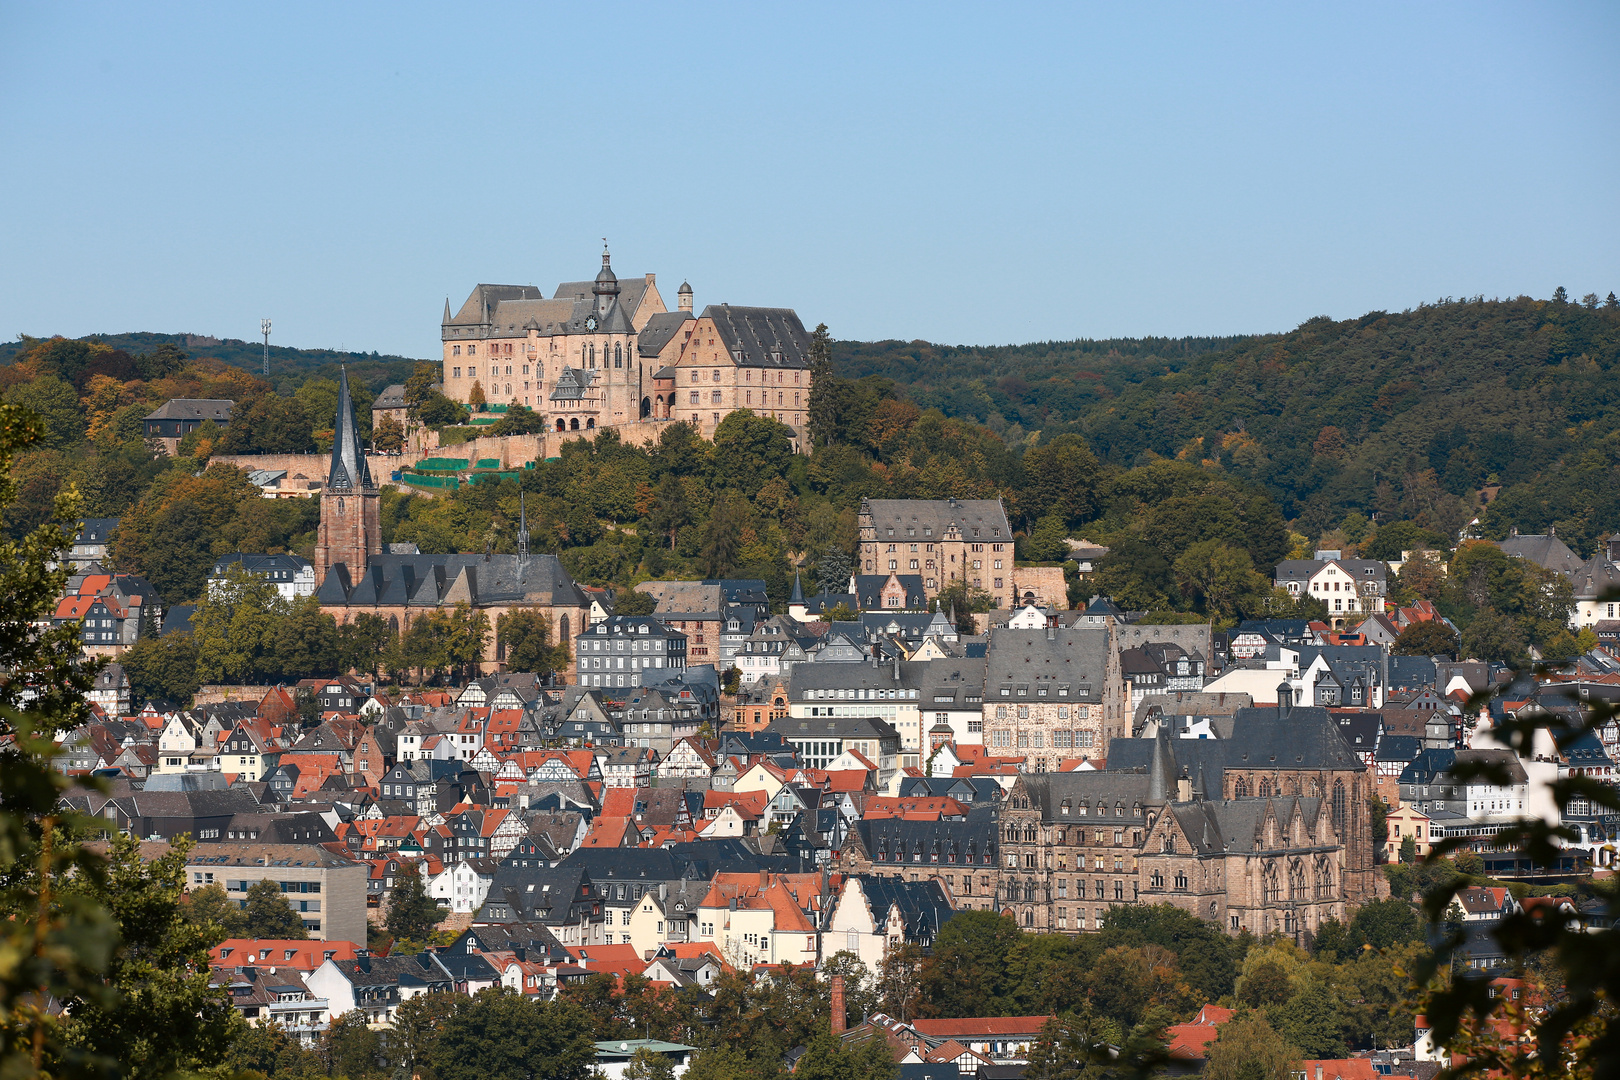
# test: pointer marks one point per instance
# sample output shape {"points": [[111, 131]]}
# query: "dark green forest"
{"points": [[1406, 415], [288, 367]]}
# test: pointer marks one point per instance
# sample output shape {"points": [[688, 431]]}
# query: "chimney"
{"points": [[838, 1005], [1319, 1071]]}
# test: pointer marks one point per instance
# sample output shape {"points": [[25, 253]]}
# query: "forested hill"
{"points": [[1412, 414], [288, 367]]}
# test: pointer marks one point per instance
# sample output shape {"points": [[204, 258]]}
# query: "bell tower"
{"points": [[606, 288], [351, 521]]}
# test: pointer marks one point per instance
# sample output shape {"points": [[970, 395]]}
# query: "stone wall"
{"points": [[213, 695]]}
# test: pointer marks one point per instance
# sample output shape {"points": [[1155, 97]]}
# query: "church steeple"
{"points": [[351, 520], [349, 469]]}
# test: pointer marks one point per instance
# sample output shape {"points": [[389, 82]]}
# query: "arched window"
{"points": [[1265, 787], [562, 630], [591, 354], [573, 423], [618, 356], [393, 624], [1338, 807], [340, 506], [560, 425], [1240, 788], [590, 422]]}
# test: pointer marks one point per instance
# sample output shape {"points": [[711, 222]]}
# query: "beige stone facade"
{"points": [[1053, 694], [942, 541], [609, 353]]}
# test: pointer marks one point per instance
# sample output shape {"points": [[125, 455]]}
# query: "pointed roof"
{"points": [[1162, 769], [798, 591], [447, 309], [349, 469]]}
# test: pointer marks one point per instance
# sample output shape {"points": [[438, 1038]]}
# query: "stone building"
{"points": [[354, 575], [1053, 693], [608, 352], [1075, 844], [941, 540]]}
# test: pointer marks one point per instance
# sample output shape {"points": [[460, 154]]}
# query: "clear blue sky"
{"points": [[967, 174]]}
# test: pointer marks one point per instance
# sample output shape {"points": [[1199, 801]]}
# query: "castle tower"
{"points": [[684, 293], [351, 522], [606, 288]]}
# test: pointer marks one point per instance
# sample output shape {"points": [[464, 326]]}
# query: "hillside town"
{"points": [[721, 786]]}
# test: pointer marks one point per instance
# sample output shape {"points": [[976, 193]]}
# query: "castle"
{"points": [[609, 353]]}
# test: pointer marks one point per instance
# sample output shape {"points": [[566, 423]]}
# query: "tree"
{"points": [[388, 436], [501, 1035], [235, 624], [1061, 479], [834, 568], [1072, 1046], [1431, 637], [162, 668], [1494, 636], [966, 973], [1310, 1021], [363, 642], [268, 914], [526, 633], [823, 414], [163, 1017], [412, 913], [475, 396], [1048, 541], [57, 406], [211, 909], [634, 602], [839, 612], [722, 538], [648, 1064], [437, 411], [267, 424], [749, 450], [519, 420], [1408, 849], [670, 510], [1247, 1048], [42, 697], [164, 360], [1221, 577], [411, 1041], [966, 601], [351, 1048]]}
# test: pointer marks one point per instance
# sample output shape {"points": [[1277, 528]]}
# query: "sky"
{"points": [[965, 174]]}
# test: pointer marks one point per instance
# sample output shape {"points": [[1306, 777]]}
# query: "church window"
{"points": [[618, 356]]}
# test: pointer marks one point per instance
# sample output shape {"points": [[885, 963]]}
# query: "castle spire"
{"points": [[447, 309], [523, 527], [349, 470]]}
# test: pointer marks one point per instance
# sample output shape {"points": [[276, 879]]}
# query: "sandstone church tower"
{"points": [[351, 522]]}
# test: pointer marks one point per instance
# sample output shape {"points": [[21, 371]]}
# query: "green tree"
{"points": [[526, 633], [267, 424], [1222, 578], [56, 404], [834, 568], [500, 1035], [1248, 1048], [648, 1064], [410, 1043], [1060, 478], [363, 642], [670, 511], [438, 411], [966, 601], [722, 538], [388, 436], [475, 396], [1072, 1046], [267, 914], [823, 414], [351, 1048], [1048, 541], [723, 1061], [1310, 1020], [213, 911], [267, 1049], [1428, 638], [412, 913], [634, 602], [42, 697], [519, 420], [162, 668], [966, 975], [234, 626], [749, 450], [164, 360], [1494, 636], [163, 1016]]}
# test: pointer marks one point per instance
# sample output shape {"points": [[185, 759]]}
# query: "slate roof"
{"points": [[973, 518], [1234, 824], [1069, 665], [1545, 550], [923, 904], [766, 337], [659, 330], [215, 409], [427, 581]]}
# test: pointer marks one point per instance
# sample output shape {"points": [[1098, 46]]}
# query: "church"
{"points": [[356, 575]]}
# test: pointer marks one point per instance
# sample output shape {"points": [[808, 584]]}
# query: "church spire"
{"points": [[447, 309], [523, 527], [349, 470]]}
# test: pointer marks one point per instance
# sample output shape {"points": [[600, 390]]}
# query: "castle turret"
{"points": [[684, 297], [606, 288]]}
